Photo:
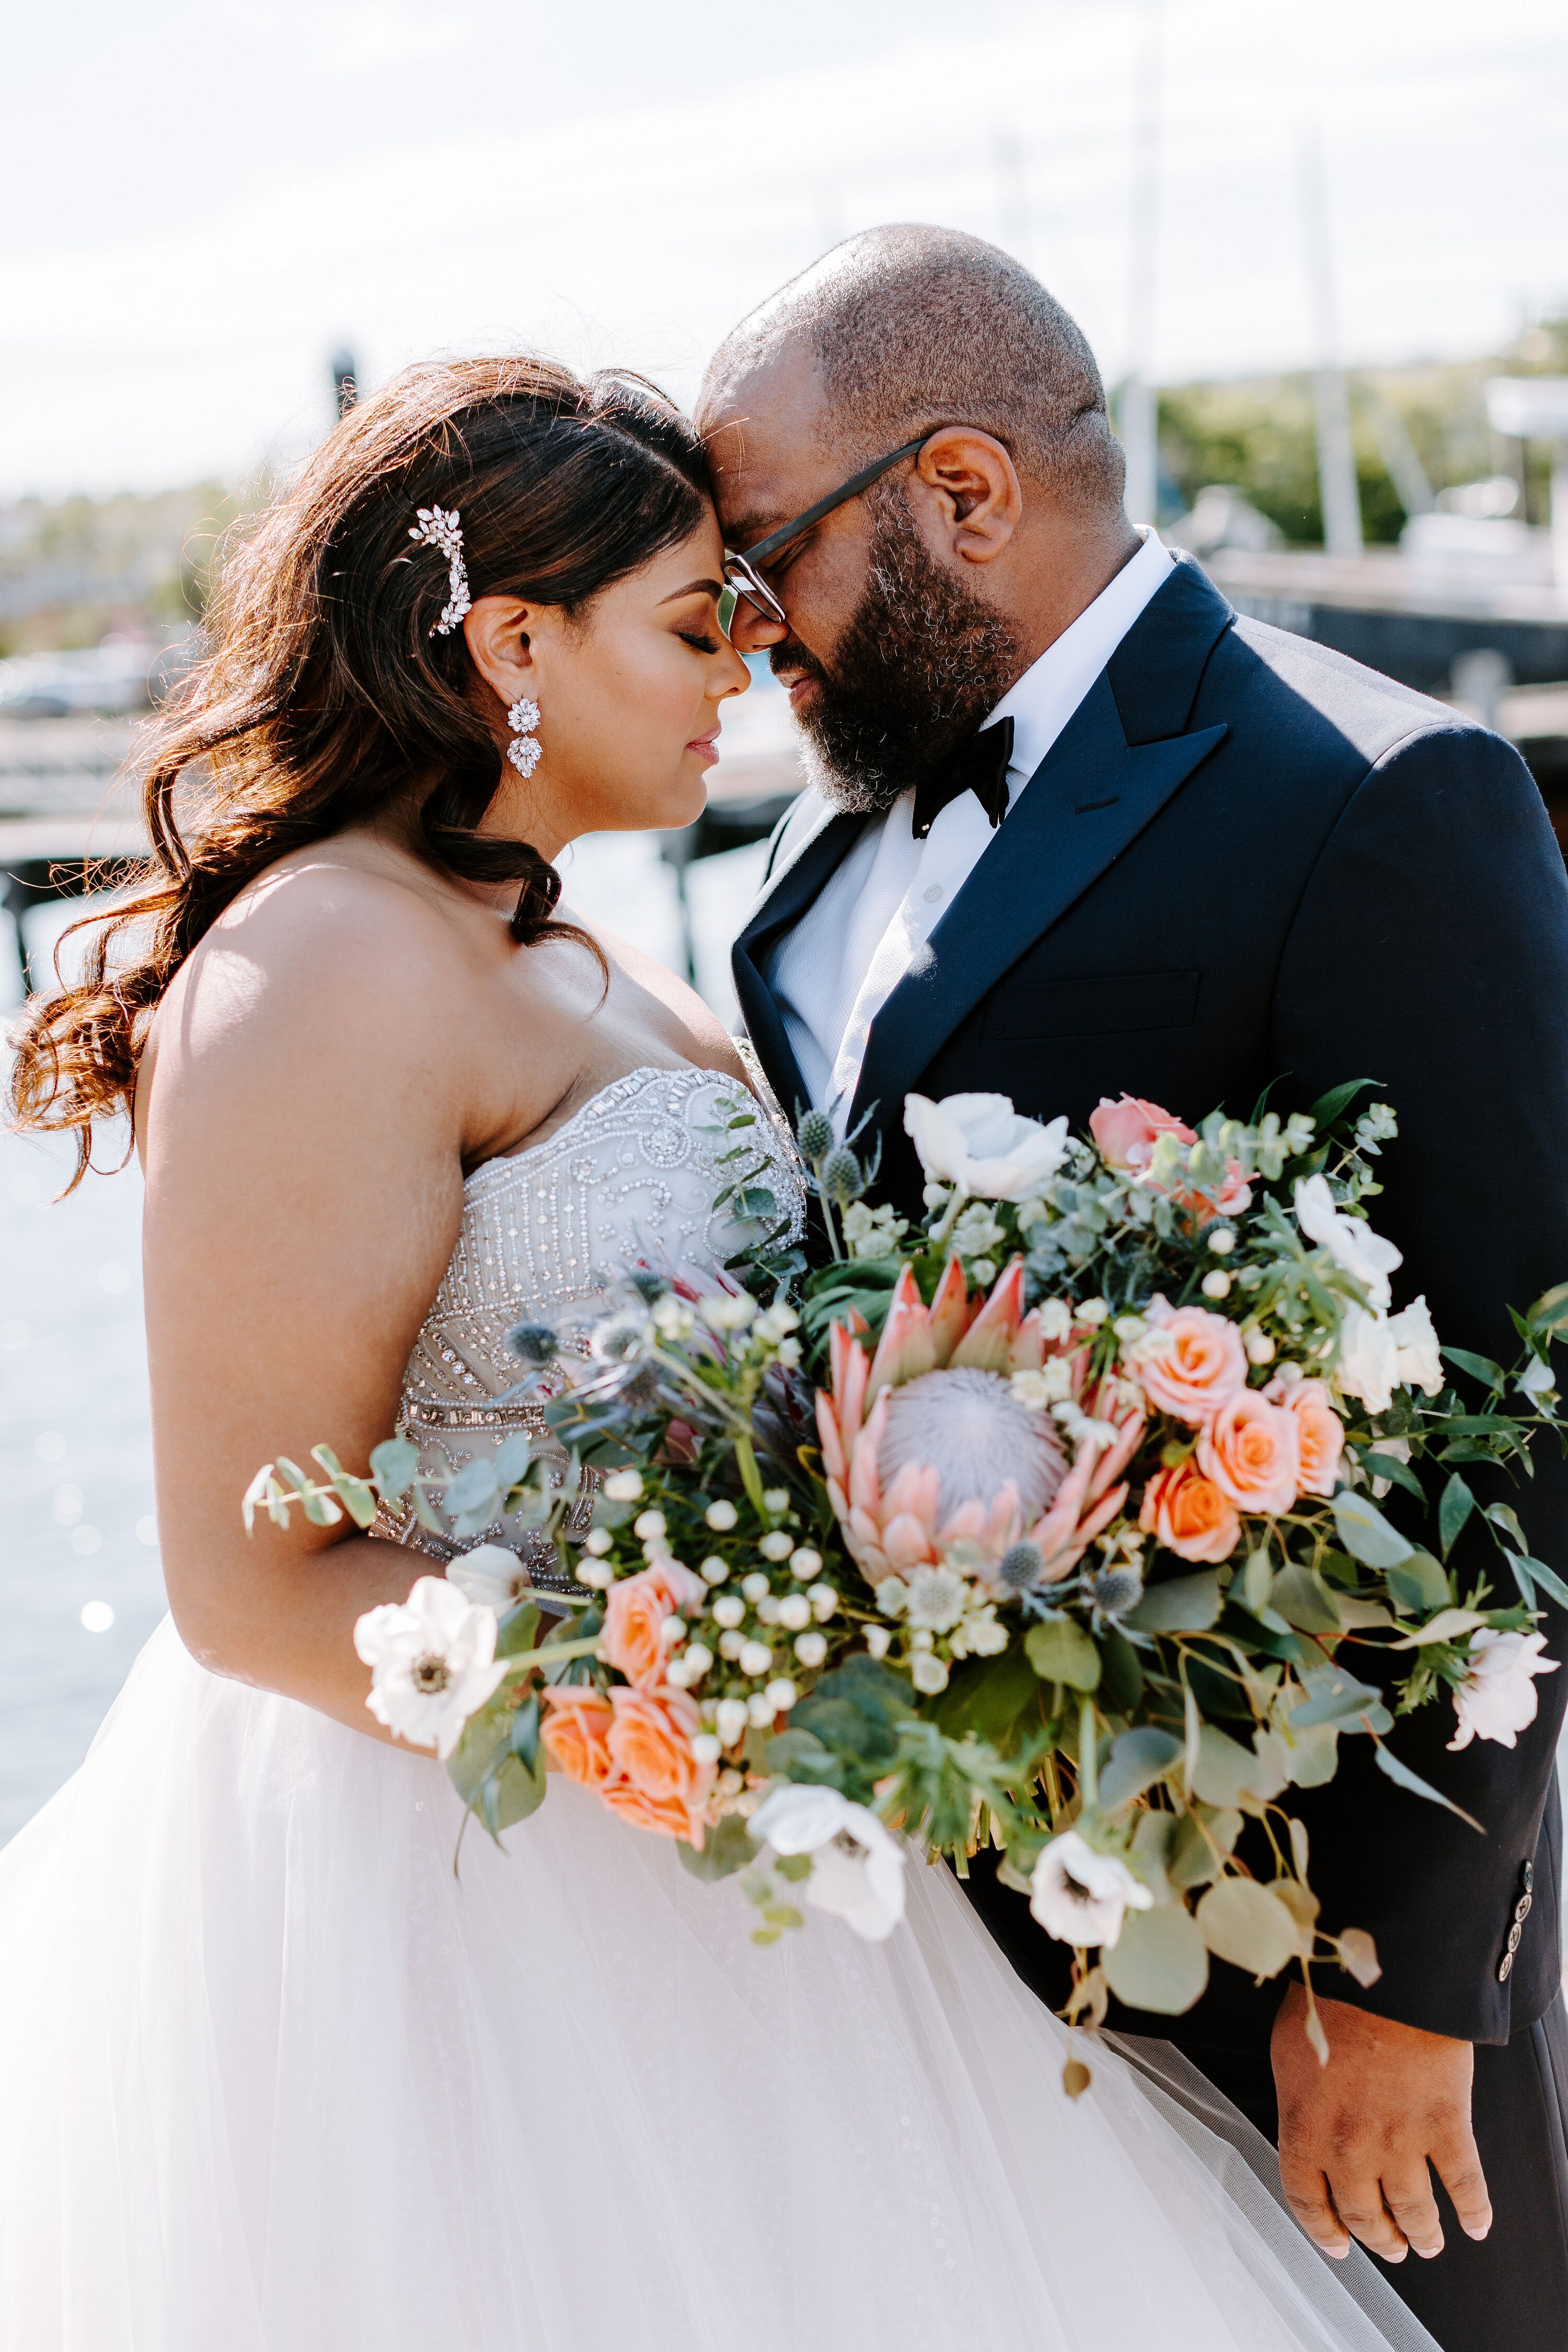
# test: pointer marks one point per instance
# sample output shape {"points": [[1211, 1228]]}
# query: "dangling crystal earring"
{"points": [[522, 718]]}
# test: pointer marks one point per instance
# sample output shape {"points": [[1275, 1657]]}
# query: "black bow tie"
{"points": [[978, 766]]}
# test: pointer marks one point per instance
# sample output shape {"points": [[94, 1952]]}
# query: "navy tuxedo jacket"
{"points": [[1248, 859]]}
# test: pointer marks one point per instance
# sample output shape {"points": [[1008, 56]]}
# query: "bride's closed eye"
{"points": [[698, 642]]}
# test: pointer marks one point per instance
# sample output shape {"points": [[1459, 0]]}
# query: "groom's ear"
{"points": [[968, 487]]}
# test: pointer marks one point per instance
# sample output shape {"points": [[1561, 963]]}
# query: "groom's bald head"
{"points": [[907, 326], [910, 608]]}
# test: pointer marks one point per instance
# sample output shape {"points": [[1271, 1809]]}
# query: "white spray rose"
{"points": [[1368, 1364], [1420, 1356], [489, 1574], [433, 1663], [980, 1144], [1496, 1698], [1349, 1240], [1080, 1896], [857, 1867]]}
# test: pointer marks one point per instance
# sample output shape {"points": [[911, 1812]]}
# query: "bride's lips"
{"points": [[706, 746]]}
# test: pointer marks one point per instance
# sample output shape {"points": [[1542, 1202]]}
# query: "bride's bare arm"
{"points": [[303, 1125]]}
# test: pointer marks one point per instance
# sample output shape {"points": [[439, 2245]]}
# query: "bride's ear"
{"points": [[504, 641]]}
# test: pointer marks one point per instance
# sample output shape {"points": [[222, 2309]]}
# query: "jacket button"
{"points": [[1528, 1875], [1503, 1966], [1514, 1933], [1523, 1907]]}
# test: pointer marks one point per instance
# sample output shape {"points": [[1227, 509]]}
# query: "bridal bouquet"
{"points": [[1051, 1524]]}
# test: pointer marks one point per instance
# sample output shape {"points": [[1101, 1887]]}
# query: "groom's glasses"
{"points": [[742, 573]]}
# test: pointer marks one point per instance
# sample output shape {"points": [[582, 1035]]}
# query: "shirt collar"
{"points": [[1041, 702]]}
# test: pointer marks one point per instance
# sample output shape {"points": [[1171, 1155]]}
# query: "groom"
{"points": [[1076, 828]]}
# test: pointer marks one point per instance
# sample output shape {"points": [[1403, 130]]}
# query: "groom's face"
{"points": [[889, 657]]}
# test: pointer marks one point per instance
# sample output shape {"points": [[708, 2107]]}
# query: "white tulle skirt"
{"points": [[272, 2080]]}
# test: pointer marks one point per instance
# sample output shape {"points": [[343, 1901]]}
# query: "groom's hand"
{"points": [[1356, 2136]]}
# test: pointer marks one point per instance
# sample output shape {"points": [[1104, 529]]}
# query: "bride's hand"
{"points": [[1356, 2137]]}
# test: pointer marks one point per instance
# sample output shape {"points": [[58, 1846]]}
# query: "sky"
{"points": [[203, 198]]}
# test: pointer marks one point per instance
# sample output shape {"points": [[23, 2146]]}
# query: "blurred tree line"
{"points": [[1258, 433]]}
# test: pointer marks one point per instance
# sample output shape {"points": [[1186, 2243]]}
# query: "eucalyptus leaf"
{"points": [[1159, 1962], [393, 1464], [1334, 1695], [1365, 1533], [1060, 1652], [475, 1488], [320, 1509], [1137, 1759], [517, 1629], [511, 1457], [1400, 1773], [1418, 1583], [1182, 1604], [728, 1847], [1245, 1924], [1302, 1601], [1225, 1771], [512, 1794]]}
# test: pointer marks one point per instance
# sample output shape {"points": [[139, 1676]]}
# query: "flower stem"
{"points": [[940, 1232], [552, 1654], [750, 1477]]}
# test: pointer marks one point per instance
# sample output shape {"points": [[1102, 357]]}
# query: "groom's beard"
{"points": [[921, 664]]}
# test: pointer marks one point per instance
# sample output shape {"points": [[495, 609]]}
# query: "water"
{"points": [[77, 1529]]}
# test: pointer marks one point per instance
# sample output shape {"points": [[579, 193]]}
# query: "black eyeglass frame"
{"points": [[740, 575]]}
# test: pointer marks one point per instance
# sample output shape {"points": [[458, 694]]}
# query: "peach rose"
{"points": [[1187, 1513], [1126, 1132], [665, 1816], [1203, 1368], [1233, 1199], [634, 1618], [576, 1731], [650, 1744], [1251, 1451], [1319, 1432]]}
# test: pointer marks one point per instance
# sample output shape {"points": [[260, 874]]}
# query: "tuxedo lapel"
{"points": [[1115, 764], [786, 902]]}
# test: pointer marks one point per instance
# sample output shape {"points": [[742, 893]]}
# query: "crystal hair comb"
{"points": [[443, 530]]}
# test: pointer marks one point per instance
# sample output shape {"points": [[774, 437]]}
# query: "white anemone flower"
{"points": [[1498, 1698], [1080, 1896], [982, 1145], [1349, 1240], [490, 1575], [433, 1663], [857, 1866]]}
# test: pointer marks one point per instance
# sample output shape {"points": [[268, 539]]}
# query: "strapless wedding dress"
{"points": [[273, 2078]]}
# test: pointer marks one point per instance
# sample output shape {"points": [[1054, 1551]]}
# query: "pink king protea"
{"points": [[927, 1445]]}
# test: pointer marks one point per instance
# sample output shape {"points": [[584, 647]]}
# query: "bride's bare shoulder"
{"points": [[316, 959]]}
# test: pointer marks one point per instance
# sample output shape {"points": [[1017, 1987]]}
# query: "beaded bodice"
{"points": [[546, 1234]]}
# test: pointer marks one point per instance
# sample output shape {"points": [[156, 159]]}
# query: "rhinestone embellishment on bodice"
{"points": [[630, 1179]]}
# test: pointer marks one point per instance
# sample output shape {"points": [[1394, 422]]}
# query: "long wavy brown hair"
{"points": [[325, 695]]}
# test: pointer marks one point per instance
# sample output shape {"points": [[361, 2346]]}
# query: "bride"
{"points": [[272, 2077]]}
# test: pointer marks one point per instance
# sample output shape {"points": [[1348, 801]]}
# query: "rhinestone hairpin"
{"points": [[441, 530]]}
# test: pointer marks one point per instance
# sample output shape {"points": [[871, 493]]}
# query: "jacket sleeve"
{"points": [[1429, 952]]}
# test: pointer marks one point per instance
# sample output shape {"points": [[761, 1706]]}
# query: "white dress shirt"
{"points": [[835, 970]]}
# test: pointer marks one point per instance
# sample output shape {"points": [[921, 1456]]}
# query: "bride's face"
{"points": [[629, 697]]}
